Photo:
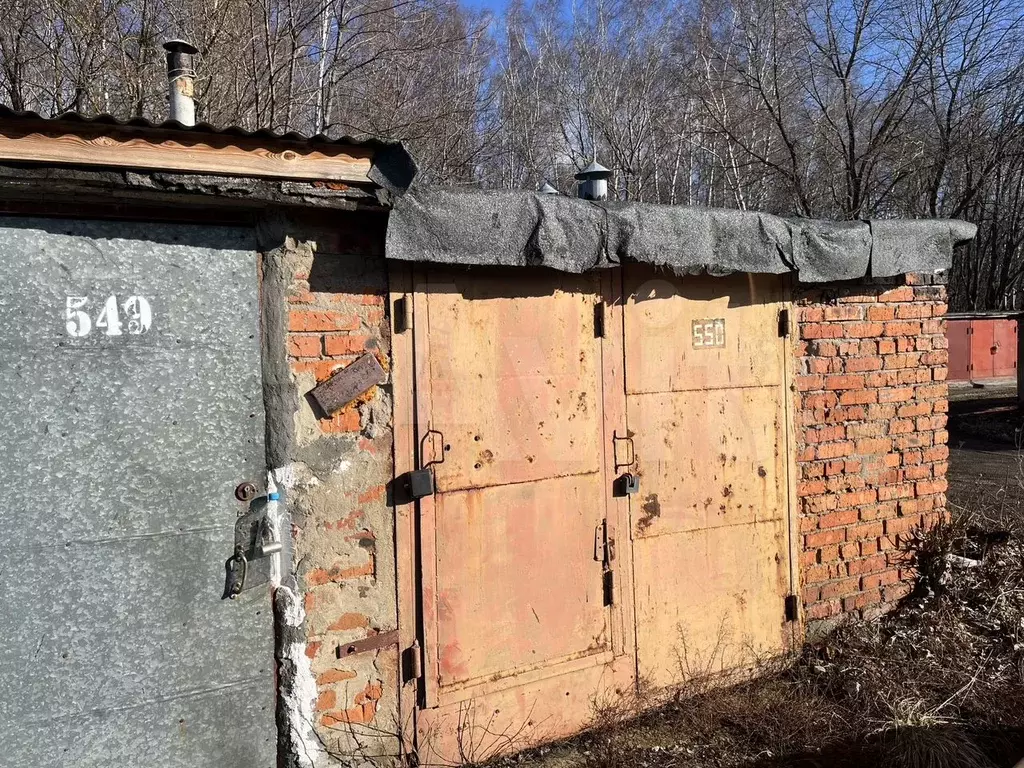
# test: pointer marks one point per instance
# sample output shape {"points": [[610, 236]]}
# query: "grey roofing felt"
{"points": [[514, 228]]}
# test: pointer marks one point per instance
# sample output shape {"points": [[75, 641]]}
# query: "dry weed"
{"points": [[939, 683]]}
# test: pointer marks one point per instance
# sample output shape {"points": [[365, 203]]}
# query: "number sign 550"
{"points": [[136, 311], [708, 333]]}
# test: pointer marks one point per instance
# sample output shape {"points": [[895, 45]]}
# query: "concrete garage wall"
{"points": [[871, 428], [325, 287]]}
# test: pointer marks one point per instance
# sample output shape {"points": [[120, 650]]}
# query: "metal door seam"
{"points": [[787, 396], [620, 271]]}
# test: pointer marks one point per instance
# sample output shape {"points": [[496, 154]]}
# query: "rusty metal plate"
{"points": [[372, 643], [348, 384], [518, 584], [735, 317], [709, 600], [708, 459], [959, 337], [515, 376]]}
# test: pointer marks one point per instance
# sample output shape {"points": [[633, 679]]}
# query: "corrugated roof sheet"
{"points": [[393, 167], [264, 134]]}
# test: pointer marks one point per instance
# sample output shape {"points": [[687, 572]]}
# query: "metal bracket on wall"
{"points": [[373, 643]]}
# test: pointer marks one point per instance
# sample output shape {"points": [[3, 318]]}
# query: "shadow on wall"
{"points": [[643, 283], [933, 746]]}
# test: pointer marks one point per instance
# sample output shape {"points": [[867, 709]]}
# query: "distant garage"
{"points": [[982, 345]]}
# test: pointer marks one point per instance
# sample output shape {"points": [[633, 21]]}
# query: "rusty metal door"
{"points": [[1004, 347], [707, 416], [958, 333], [994, 348], [519, 615], [983, 349], [132, 408]]}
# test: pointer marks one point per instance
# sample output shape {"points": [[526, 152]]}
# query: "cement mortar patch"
{"points": [[344, 559]]}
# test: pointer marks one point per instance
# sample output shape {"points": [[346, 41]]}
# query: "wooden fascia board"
{"points": [[185, 152]]}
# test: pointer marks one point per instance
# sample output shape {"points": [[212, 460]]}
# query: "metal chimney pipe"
{"points": [[181, 77], [593, 182]]}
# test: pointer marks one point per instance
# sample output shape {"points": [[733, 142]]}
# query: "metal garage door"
{"points": [[518, 607], [706, 409], [131, 405]]}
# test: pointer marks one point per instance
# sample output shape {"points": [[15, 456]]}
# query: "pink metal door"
{"points": [[520, 622], [983, 349], [958, 333], [1004, 354], [706, 397]]}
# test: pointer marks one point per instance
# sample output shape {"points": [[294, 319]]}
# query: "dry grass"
{"points": [[938, 683]]}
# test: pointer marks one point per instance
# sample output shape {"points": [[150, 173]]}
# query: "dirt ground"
{"points": [[986, 463], [939, 683]]}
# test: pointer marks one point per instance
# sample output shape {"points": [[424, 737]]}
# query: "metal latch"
{"points": [[627, 484], [604, 552], [254, 529], [420, 482], [237, 566]]}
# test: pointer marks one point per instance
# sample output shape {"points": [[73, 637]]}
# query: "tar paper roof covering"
{"points": [[515, 228]]}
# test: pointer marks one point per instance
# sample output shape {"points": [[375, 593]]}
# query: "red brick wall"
{"points": [[343, 531], [871, 441]]}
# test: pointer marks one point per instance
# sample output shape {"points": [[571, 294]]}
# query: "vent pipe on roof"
{"points": [[593, 182], [181, 77]]}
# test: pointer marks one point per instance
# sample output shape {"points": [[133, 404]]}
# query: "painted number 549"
{"points": [[133, 316]]}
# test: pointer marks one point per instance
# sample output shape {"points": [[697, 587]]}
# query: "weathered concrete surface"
{"points": [[333, 472]]}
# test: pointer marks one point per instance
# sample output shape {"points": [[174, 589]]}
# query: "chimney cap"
{"points": [[180, 46], [594, 171], [547, 189]]}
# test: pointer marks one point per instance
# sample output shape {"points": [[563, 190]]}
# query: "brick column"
{"points": [[872, 455]]}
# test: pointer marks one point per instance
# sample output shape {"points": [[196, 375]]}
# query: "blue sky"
{"points": [[492, 5]]}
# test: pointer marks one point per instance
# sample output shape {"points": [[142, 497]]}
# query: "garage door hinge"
{"points": [[792, 608], [604, 552], [412, 662], [609, 588], [783, 323], [402, 314]]}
